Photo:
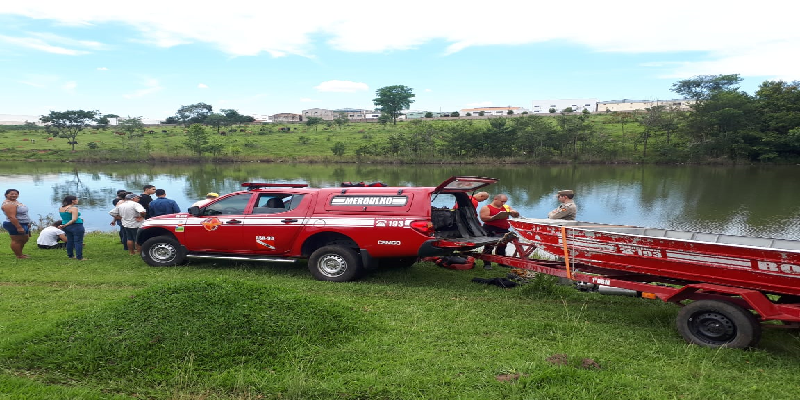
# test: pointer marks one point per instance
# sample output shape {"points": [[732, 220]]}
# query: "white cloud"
{"points": [[202, 86], [102, 69], [150, 86], [428, 90], [307, 100], [41, 45], [69, 86], [725, 34], [342, 86], [480, 104], [40, 81]]}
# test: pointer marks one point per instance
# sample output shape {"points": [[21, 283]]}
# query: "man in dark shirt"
{"points": [[145, 198], [162, 205]]}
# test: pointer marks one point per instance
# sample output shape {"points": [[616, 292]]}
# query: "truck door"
{"points": [[276, 221], [219, 227]]}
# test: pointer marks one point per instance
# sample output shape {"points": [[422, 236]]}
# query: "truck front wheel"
{"points": [[714, 323], [163, 251], [335, 264]]}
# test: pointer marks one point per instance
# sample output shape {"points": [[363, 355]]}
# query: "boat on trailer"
{"points": [[770, 265], [727, 285]]}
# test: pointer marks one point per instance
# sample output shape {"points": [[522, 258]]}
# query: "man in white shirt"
{"points": [[49, 237], [132, 215]]}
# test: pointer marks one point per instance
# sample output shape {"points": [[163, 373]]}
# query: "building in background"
{"points": [[641, 105], [421, 114], [287, 117], [491, 111], [559, 105]]}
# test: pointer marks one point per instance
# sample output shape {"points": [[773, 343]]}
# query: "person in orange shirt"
{"points": [[495, 217]]}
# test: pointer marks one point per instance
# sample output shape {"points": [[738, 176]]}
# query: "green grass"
{"points": [[113, 328], [250, 143]]}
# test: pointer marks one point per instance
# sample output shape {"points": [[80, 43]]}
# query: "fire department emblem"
{"points": [[211, 224]]}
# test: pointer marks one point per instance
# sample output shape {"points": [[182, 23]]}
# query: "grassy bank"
{"points": [[113, 328], [419, 141]]}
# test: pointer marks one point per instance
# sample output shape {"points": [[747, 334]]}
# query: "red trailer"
{"points": [[734, 283]]}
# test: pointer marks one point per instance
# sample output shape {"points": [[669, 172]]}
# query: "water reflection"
{"points": [[757, 201]]}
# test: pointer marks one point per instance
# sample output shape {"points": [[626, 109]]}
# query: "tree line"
{"points": [[724, 124]]}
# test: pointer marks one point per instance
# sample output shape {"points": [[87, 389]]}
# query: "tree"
{"points": [[193, 113], [481, 113], [197, 139], [455, 114], [103, 122], [392, 100], [234, 117], [217, 121], [133, 127], [31, 126], [701, 87], [314, 121], [510, 112], [338, 149], [171, 121], [384, 119], [68, 124], [551, 110], [428, 114], [469, 114], [341, 120]]}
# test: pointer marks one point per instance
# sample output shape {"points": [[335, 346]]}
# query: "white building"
{"points": [[492, 111], [577, 105], [641, 105]]}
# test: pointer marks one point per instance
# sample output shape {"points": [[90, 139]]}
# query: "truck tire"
{"points": [[163, 251], [716, 323], [335, 264]]}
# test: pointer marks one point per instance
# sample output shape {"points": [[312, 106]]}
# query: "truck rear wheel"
{"points": [[335, 264], [163, 251], [715, 323]]}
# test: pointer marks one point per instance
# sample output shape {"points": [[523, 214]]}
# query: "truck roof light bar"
{"points": [[257, 185]]}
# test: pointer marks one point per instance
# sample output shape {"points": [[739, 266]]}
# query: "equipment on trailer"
{"points": [[734, 283]]}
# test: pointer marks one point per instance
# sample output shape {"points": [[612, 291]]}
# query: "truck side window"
{"points": [[234, 205], [274, 203]]}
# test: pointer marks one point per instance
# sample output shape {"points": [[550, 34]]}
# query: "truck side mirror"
{"points": [[194, 211]]}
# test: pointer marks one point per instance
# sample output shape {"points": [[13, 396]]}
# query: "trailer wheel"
{"points": [[715, 323], [335, 264]]}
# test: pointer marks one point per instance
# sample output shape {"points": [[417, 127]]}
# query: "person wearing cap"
{"points": [[567, 209], [210, 196], [132, 215], [162, 205]]}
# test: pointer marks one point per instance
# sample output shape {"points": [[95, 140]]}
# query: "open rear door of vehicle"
{"points": [[456, 184]]}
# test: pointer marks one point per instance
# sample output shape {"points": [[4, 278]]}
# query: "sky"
{"points": [[148, 58]]}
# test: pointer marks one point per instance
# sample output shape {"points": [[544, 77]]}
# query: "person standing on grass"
{"points": [[145, 198], [162, 205], [17, 223], [52, 237], [131, 213], [72, 225], [120, 197]]}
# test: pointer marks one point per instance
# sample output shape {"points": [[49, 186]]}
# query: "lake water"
{"points": [[743, 200]]}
